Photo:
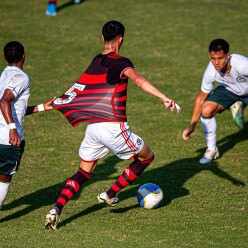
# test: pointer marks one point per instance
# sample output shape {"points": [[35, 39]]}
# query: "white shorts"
{"points": [[100, 138]]}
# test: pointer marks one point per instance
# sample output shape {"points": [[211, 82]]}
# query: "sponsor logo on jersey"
{"points": [[240, 79], [139, 142]]}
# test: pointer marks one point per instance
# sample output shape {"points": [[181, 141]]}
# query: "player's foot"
{"points": [[209, 156], [51, 9], [76, 1], [237, 110], [52, 219], [103, 198]]}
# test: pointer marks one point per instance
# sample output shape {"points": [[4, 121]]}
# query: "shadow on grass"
{"points": [[170, 177], [48, 196], [68, 4]]}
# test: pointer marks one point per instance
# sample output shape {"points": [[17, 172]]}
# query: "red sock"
{"points": [[133, 171], [71, 187]]}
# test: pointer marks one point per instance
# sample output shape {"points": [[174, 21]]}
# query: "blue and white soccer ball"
{"points": [[149, 196]]}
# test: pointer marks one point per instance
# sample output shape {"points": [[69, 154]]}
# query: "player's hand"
{"points": [[48, 105], [187, 132], [170, 104], [14, 138]]}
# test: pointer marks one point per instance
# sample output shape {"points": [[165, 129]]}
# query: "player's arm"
{"points": [[146, 86], [5, 107], [199, 100], [41, 107]]}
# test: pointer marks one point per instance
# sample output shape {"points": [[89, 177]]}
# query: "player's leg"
{"points": [[10, 158], [209, 127], [219, 100], [4, 187], [131, 172], [51, 8], [72, 186], [132, 147], [90, 151]]}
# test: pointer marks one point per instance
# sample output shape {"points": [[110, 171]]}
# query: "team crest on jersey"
{"points": [[240, 79]]}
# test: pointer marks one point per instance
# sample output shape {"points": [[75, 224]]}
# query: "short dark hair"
{"points": [[218, 45], [13, 52], [112, 29]]}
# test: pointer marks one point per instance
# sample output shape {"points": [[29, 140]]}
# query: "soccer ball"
{"points": [[149, 196]]}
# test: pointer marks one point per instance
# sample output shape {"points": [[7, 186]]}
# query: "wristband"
{"points": [[12, 126], [40, 107]]}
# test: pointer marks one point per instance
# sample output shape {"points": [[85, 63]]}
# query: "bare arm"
{"points": [[146, 86], [199, 100], [5, 107], [34, 109]]}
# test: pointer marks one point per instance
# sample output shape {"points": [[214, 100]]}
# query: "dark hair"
{"points": [[13, 52], [218, 45], [112, 29]]}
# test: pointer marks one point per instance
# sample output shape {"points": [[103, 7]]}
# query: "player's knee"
{"points": [[207, 111], [5, 179], [151, 156], [148, 160]]}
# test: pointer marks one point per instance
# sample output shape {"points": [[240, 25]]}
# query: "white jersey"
{"points": [[17, 81], [235, 81]]}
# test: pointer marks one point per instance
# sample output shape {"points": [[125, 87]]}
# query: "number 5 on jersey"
{"points": [[70, 94]]}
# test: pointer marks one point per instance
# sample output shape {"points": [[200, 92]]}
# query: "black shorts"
{"points": [[10, 158], [225, 97]]}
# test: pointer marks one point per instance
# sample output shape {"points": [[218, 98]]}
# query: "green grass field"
{"points": [[204, 206]]}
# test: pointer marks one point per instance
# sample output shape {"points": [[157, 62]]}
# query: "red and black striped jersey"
{"points": [[100, 93]]}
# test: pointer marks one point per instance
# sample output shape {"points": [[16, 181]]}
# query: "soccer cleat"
{"points": [[209, 156], [103, 198], [52, 220], [237, 110], [51, 9], [77, 1]]}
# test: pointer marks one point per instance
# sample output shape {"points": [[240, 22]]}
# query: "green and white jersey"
{"points": [[236, 81], [17, 81]]}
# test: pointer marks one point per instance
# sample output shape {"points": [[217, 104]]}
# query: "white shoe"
{"points": [[103, 198], [237, 110], [209, 156], [77, 1], [52, 220]]}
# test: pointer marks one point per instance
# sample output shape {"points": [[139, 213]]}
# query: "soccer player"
{"points": [[14, 94], [99, 97], [51, 8], [231, 72]]}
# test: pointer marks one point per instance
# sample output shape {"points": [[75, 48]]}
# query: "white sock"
{"points": [[209, 127], [4, 188]]}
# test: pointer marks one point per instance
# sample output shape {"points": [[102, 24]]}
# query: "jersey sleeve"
{"points": [[115, 72], [240, 62], [18, 83], [208, 79]]}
